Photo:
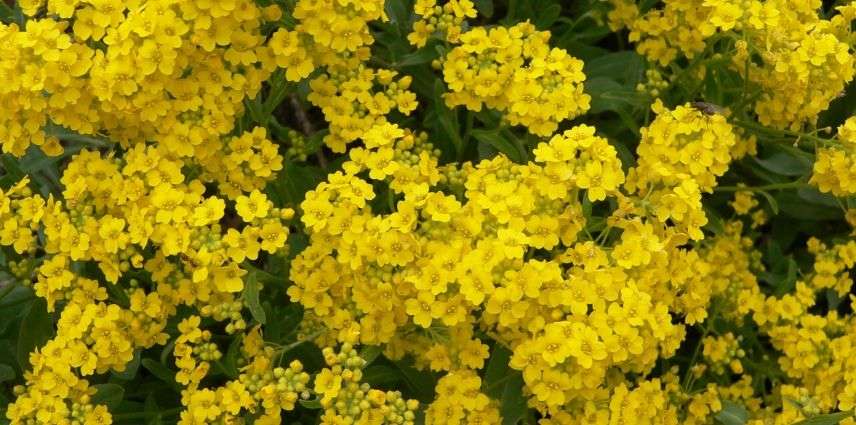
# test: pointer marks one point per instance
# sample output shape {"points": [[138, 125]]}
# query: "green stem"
{"points": [[286, 348], [709, 323], [775, 186], [749, 125], [83, 140], [390, 198], [468, 127], [280, 89]]}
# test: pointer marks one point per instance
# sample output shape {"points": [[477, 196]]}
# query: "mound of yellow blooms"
{"points": [[589, 271]]}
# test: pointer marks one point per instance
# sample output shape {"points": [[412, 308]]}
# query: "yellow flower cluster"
{"points": [[799, 60], [354, 98], [515, 71], [244, 164], [173, 72], [91, 337], [460, 400], [262, 388], [807, 60], [684, 144], [334, 36], [338, 25], [167, 80], [587, 272], [815, 347], [723, 351], [835, 166], [21, 213], [445, 21], [681, 154], [655, 401], [679, 27], [503, 248], [137, 214]]}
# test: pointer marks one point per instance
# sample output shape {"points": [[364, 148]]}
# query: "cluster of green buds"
{"points": [[344, 397], [228, 310]]}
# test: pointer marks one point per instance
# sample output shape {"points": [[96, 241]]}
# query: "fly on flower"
{"points": [[708, 108]]}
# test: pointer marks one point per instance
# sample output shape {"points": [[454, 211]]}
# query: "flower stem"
{"points": [[776, 186], [749, 125]]}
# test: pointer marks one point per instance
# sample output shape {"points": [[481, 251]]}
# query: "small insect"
{"points": [[187, 259], [708, 108]]}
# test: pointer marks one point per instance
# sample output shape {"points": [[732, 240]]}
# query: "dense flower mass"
{"points": [[835, 166], [515, 71], [800, 61], [401, 212]]}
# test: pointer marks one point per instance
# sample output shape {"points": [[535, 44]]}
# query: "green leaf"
{"points": [[151, 407], [585, 34], [715, 223], [786, 164], [370, 353], [11, 169], [380, 376], [774, 206], [16, 297], [828, 419], [295, 180], [161, 372], [230, 361], [484, 8], [420, 383], [513, 407], [311, 404], [131, 368], [7, 15], [732, 414], [790, 279], [497, 371], [398, 12], [108, 394], [68, 135], [447, 118], [251, 297], [816, 197], [794, 206], [505, 385], [315, 141], [36, 329], [495, 139], [279, 90], [624, 67], [7, 373], [581, 50], [608, 95], [419, 57], [545, 17], [256, 110]]}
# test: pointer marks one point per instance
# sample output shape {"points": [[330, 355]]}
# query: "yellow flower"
{"points": [[252, 207], [328, 384], [441, 207], [228, 278]]}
